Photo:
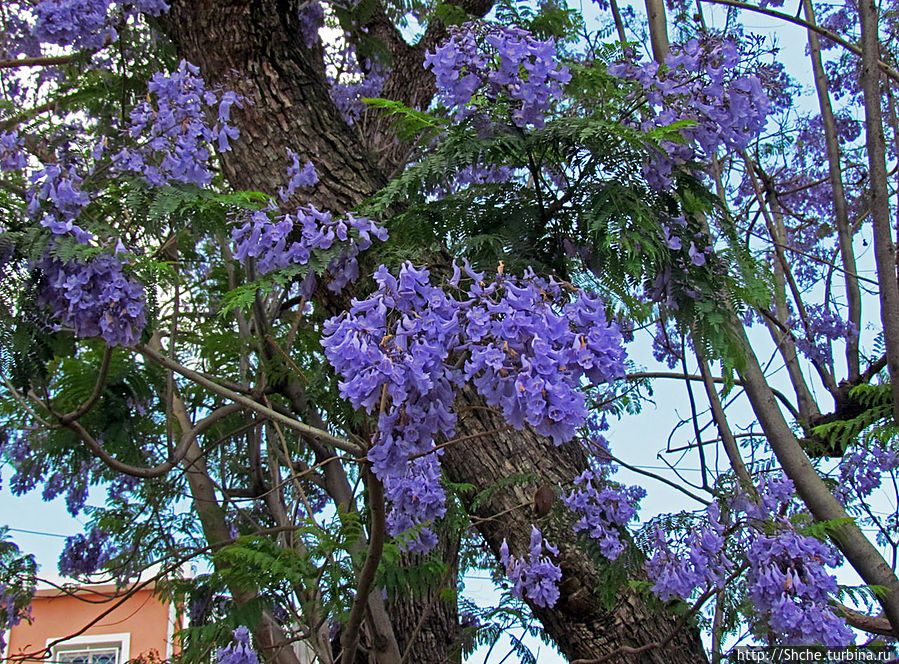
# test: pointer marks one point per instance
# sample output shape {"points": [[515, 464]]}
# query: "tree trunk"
{"points": [[581, 626], [255, 49], [426, 619]]}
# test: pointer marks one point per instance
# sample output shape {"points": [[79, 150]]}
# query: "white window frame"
{"points": [[120, 641]]}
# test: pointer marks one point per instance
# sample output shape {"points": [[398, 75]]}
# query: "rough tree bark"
{"points": [[254, 48], [578, 623]]}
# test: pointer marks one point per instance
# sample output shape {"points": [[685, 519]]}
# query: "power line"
{"points": [[36, 532]]}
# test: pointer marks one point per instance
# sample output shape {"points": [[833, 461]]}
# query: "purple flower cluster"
{"points": [[787, 582], [17, 451], [416, 497], [173, 135], [605, 508], [240, 651], [688, 249], [270, 241], [84, 23], [57, 199], [73, 485], [529, 355], [862, 469], [12, 156], [824, 326], [81, 23], [529, 351], [312, 18], [698, 560], [700, 82], [394, 346], [349, 89], [299, 177], [94, 297], [501, 61], [535, 577], [775, 493], [790, 588], [83, 556]]}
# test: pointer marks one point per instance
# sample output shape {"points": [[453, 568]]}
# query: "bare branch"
{"points": [[824, 32], [247, 402], [350, 637]]}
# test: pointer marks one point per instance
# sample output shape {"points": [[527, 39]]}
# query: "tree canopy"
{"points": [[344, 300]]}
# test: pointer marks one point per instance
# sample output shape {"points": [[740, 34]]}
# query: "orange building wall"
{"points": [[143, 615]]}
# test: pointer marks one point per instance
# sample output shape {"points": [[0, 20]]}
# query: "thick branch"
{"points": [[366, 578], [884, 248], [42, 61], [188, 438], [859, 551], [658, 29], [97, 392], [841, 211], [864, 622], [727, 437]]}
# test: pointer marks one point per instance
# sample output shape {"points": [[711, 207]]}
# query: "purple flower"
{"points": [[604, 508], [83, 556], [12, 156], [679, 567], [862, 470], [300, 176], [348, 90], [527, 74], [312, 18], [697, 256], [266, 241], [95, 298], [416, 497], [790, 589], [80, 23], [531, 349], [173, 134], [701, 82], [535, 576], [240, 651], [823, 327]]}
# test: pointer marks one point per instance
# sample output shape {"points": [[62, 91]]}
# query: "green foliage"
{"points": [[875, 403], [17, 579], [488, 626], [821, 530], [409, 123], [450, 14], [612, 575]]}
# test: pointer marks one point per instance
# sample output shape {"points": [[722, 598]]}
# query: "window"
{"points": [[93, 649], [98, 656]]}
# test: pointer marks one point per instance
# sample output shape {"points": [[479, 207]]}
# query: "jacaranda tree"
{"points": [[337, 298]]}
